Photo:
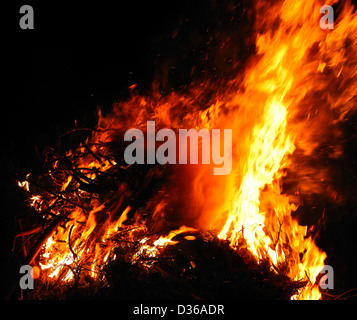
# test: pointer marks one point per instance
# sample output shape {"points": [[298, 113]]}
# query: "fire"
{"points": [[153, 250], [275, 88], [271, 110]]}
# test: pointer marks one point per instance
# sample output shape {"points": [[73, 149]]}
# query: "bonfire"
{"points": [[102, 227]]}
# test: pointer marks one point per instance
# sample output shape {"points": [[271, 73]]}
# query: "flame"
{"points": [[24, 184], [299, 75], [153, 250], [275, 89]]}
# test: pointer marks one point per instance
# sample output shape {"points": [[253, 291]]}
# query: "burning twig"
{"points": [[60, 196], [278, 237], [42, 239], [308, 278], [69, 242], [22, 235], [344, 293], [28, 232], [91, 152]]}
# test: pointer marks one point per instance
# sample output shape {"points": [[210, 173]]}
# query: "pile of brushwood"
{"points": [[202, 268]]}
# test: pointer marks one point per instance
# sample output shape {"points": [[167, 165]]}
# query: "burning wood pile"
{"points": [[102, 227], [98, 230]]}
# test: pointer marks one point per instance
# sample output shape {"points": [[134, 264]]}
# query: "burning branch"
{"points": [[69, 242]]}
